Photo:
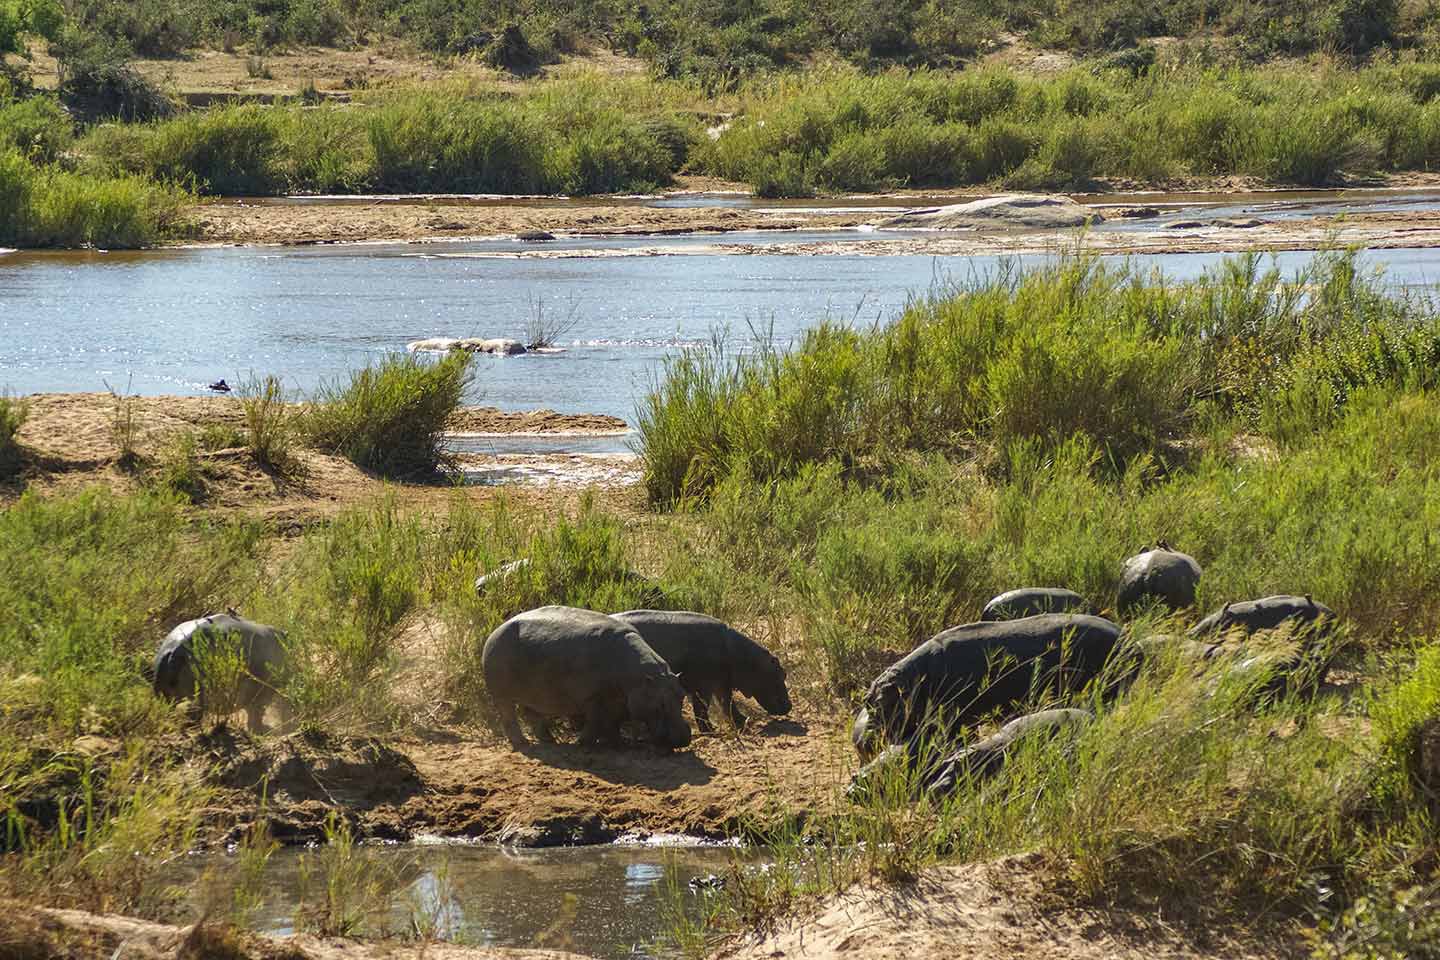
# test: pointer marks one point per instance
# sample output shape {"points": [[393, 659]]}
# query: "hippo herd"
{"points": [[599, 670]]}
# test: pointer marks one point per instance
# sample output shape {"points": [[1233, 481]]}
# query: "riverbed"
{"points": [[172, 321]]}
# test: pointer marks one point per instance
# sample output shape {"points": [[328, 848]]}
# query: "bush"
{"points": [[390, 418], [46, 207], [269, 424], [13, 414], [98, 82], [227, 151], [39, 128], [1110, 354]]}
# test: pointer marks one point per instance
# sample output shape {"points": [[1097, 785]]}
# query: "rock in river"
{"points": [[499, 345], [1013, 211]]}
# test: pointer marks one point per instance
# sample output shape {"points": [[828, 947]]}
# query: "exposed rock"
{"points": [[1012, 211], [500, 345]]}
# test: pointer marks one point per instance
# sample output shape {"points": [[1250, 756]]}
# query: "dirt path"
{"points": [[470, 783]]}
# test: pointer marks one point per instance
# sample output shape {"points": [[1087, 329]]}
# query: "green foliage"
{"points": [[20, 19], [13, 413], [39, 128], [1078, 348], [270, 424], [181, 471], [232, 151], [49, 207], [390, 417], [93, 581]]}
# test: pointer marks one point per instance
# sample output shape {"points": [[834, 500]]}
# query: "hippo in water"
{"points": [[961, 674], [180, 675], [1029, 601], [713, 660], [1160, 574], [941, 775], [567, 662]]}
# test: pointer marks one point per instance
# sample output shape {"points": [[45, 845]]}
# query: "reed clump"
{"points": [[390, 417]]}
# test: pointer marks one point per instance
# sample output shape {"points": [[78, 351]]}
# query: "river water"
{"points": [[170, 321], [613, 900]]}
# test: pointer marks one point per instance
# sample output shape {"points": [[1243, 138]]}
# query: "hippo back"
{"points": [[178, 674], [974, 669], [1030, 601], [1163, 574], [1267, 613]]}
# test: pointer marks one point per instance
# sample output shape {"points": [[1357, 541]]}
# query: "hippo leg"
{"points": [[602, 722], [510, 723], [727, 701], [255, 715], [539, 725], [701, 704]]}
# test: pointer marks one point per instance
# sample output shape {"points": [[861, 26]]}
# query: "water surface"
{"points": [[601, 901], [170, 321]]}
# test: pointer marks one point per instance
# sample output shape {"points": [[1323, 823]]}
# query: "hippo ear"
{"points": [[1309, 600]]}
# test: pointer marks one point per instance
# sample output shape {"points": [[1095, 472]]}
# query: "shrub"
{"points": [[13, 413], [232, 151], [390, 417], [39, 128], [97, 81], [269, 424]]}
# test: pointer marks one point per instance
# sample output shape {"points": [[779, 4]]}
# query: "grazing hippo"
{"points": [[940, 776], [179, 674], [712, 661], [864, 736], [1267, 613], [964, 673], [1029, 601], [567, 662], [1163, 574], [986, 757]]}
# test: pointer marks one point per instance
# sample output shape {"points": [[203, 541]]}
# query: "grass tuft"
{"points": [[390, 417]]}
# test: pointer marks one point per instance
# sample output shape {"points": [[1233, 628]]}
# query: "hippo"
{"points": [[971, 670], [713, 660], [940, 775], [1267, 613], [985, 757], [179, 676], [567, 662], [1163, 574], [1029, 601]]}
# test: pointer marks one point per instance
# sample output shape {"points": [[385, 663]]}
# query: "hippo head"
{"points": [[658, 702], [864, 735], [175, 675], [766, 683]]}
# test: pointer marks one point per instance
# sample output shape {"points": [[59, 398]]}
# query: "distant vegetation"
{"points": [[725, 41]]}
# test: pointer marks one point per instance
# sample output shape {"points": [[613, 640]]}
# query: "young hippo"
{"points": [[1159, 574], [566, 662], [179, 675], [713, 660], [1030, 601]]}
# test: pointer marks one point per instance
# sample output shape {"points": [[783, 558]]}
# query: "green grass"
{"points": [[389, 417], [13, 413], [1012, 361], [50, 207], [839, 129]]}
